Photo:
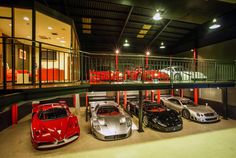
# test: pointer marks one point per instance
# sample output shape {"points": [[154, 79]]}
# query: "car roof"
{"points": [[48, 106]]}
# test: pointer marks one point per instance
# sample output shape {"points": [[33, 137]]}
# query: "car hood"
{"points": [[168, 117], [57, 128], [112, 123], [202, 109]]}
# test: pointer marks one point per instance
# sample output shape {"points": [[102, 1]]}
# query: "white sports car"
{"points": [[190, 110], [109, 122], [181, 74]]}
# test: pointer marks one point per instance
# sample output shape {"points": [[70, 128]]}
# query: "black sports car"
{"points": [[157, 116]]}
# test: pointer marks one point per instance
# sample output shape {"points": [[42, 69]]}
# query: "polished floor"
{"points": [[195, 140]]}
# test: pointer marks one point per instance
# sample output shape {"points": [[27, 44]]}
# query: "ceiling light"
{"points": [[157, 16], [140, 36], [10, 25], [49, 27], [191, 50], [147, 53], [214, 25], [26, 18], [117, 51], [62, 41], [126, 44], [162, 45]]}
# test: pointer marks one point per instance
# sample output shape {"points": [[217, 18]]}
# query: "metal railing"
{"points": [[35, 64], [101, 68]]}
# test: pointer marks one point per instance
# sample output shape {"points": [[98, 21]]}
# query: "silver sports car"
{"points": [[190, 110], [109, 122]]}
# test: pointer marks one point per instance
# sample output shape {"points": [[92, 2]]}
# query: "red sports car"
{"points": [[53, 125], [105, 73], [149, 74]]}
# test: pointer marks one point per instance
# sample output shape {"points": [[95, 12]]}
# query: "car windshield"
{"points": [[53, 113], [188, 103], [108, 110], [153, 106], [179, 68]]}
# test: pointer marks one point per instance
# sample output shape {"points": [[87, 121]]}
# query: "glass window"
{"points": [[5, 11]]}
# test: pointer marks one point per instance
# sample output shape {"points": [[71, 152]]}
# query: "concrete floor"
{"points": [[195, 140]]}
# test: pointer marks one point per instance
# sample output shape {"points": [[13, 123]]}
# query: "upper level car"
{"points": [[148, 74], [157, 116], [105, 73], [190, 110], [109, 121], [53, 125], [179, 73]]}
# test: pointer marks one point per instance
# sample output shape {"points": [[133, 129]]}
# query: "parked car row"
{"points": [[177, 73], [54, 125]]}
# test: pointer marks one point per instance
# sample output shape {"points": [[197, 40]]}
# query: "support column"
{"points": [[125, 99], [225, 102], [195, 95], [76, 103], [152, 95], [172, 92], [86, 104], [158, 96], [118, 97], [146, 94], [181, 92], [14, 113], [140, 114]]}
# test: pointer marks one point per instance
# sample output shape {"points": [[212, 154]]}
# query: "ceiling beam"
{"points": [[126, 22], [158, 33]]}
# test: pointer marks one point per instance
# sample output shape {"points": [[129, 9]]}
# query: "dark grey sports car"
{"points": [[157, 116]]}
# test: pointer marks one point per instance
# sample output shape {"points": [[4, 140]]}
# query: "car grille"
{"points": [[45, 143], [209, 114], [210, 119], [120, 136]]}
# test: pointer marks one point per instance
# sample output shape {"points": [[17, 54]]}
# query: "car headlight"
{"points": [[129, 122], [97, 127], [155, 74], [163, 125], [154, 120], [120, 74], [122, 120], [102, 122]]}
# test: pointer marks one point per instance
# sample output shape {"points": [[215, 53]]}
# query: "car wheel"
{"points": [[177, 77], [186, 114], [145, 121]]}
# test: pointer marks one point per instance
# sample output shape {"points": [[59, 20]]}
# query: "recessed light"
{"points": [[126, 44], [26, 18], [162, 46], [10, 25], [49, 27], [62, 41], [214, 25], [157, 16]]}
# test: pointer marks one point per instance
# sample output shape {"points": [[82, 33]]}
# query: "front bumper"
{"points": [[112, 136], [47, 145], [206, 119], [167, 129]]}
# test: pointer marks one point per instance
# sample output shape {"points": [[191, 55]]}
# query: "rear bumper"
{"points": [[47, 145]]}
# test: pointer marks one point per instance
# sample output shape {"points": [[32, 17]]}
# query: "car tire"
{"points": [[186, 114], [177, 77], [145, 121]]}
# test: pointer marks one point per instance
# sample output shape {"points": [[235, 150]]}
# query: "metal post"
{"points": [[14, 113], [40, 65], [152, 95], [4, 55], [140, 127], [142, 76], [82, 67], [146, 94], [225, 102], [158, 96], [33, 59], [125, 99], [86, 103], [215, 72], [195, 91], [118, 97], [172, 92]]}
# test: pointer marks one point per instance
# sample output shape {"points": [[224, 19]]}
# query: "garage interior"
{"points": [[113, 50]]}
